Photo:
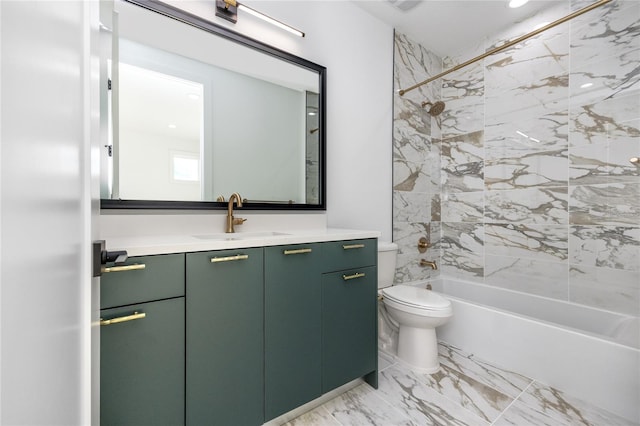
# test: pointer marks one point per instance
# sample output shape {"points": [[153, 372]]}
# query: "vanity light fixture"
{"points": [[228, 9]]}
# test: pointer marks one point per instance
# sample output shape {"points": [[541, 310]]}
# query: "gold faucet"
{"points": [[231, 221], [428, 263]]}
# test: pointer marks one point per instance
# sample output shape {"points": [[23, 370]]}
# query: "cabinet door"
{"points": [[293, 340], [142, 364], [349, 326], [225, 361]]}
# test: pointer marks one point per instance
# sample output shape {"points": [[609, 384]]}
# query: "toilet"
{"points": [[415, 311]]}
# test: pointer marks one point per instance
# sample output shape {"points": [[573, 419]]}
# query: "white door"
{"points": [[46, 226]]}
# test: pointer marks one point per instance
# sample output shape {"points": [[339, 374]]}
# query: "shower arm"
{"points": [[508, 45]]}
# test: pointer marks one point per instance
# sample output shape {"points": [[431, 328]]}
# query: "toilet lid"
{"points": [[416, 296]]}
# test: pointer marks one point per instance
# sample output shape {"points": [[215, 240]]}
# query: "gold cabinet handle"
{"points": [[135, 267], [353, 246], [298, 251], [135, 316], [229, 258], [351, 277]]}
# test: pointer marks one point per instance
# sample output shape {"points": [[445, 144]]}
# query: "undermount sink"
{"points": [[239, 235]]}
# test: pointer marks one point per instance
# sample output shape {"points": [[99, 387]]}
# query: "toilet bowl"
{"points": [[415, 311], [418, 312]]}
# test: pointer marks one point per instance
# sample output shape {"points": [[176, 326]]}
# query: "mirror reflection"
{"points": [[195, 117]]}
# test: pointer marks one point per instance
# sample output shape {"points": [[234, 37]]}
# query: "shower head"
{"points": [[435, 109]]}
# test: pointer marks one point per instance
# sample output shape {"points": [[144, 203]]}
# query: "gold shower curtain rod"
{"points": [[509, 44]]}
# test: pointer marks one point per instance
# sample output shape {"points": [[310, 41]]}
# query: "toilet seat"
{"points": [[416, 297]]}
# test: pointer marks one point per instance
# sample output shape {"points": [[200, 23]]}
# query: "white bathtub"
{"points": [[588, 353]]}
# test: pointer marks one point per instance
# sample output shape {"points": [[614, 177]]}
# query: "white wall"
{"points": [[357, 50]]}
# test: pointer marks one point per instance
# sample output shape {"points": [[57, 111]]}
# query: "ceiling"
{"points": [[447, 27]]}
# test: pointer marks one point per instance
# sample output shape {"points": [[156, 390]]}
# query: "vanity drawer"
{"points": [[161, 278], [339, 255]]}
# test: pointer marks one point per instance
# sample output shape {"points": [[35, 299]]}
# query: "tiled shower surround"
{"points": [[524, 181]]}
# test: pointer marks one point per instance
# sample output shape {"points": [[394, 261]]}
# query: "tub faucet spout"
{"points": [[429, 263]]}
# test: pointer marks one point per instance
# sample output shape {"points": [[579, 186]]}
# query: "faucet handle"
{"points": [[238, 220]]}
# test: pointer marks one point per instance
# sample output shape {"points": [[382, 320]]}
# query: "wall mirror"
{"points": [[192, 112]]}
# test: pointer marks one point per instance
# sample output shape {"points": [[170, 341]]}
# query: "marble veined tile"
{"points": [[615, 247], [529, 169], [418, 62], [543, 96], [462, 363], [463, 207], [518, 133], [532, 60], [541, 242], [616, 76], [362, 406], [466, 84], [462, 162], [413, 206], [612, 289], [411, 125], [605, 122], [544, 405], [604, 163], [461, 117], [611, 30], [463, 249], [482, 400], [316, 417], [529, 205], [606, 204], [543, 278], [422, 403]]}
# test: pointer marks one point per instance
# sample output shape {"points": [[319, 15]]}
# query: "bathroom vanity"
{"points": [[235, 329]]}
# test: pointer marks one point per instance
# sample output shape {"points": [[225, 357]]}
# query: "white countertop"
{"points": [[164, 244]]}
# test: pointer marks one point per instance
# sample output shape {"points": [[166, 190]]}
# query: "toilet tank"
{"points": [[386, 263]]}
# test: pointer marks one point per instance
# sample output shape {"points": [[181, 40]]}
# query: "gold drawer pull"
{"points": [[353, 246], [351, 277], [135, 267], [298, 251], [135, 316], [229, 258]]}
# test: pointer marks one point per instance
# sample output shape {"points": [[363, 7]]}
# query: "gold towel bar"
{"points": [[229, 258], [135, 267], [135, 316]]}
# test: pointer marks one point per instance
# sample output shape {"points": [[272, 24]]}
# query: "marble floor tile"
{"points": [[466, 391], [542, 405], [405, 390], [504, 381], [317, 417], [364, 406]]}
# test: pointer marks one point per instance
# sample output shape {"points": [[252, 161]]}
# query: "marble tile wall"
{"points": [[535, 191], [416, 160]]}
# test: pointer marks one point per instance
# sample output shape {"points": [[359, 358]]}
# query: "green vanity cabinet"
{"points": [[293, 327], [224, 334], [349, 314], [142, 352]]}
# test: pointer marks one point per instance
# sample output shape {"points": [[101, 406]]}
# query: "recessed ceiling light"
{"points": [[172, 126], [517, 3]]}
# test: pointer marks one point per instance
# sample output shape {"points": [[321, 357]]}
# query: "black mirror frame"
{"points": [[203, 24]]}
